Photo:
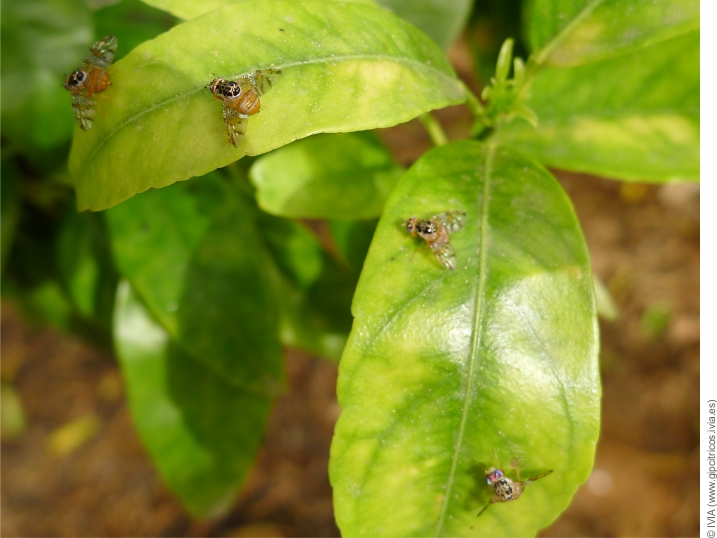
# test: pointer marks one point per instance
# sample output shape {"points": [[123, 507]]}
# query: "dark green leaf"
{"points": [[352, 239], [45, 303], [312, 290], [575, 32], [346, 67], [334, 176], [85, 266], [201, 431], [133, 22], [441, 20], [635, 118], [492, 22], [193, 255], [42, 40], [296, 251], [443, 368], [59, 269], [318, 320], [10, 209]]}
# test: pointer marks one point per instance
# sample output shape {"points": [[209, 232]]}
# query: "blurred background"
{"points": [[71, 459]]}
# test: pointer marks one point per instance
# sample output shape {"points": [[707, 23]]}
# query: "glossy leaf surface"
{"points": [[193, 255], [346, 67], [334, 176], [441, 20], [574, 32], [635, 118], [444, 367], [191, 9], [201, 431]]}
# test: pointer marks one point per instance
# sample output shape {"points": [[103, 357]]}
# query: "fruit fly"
{"points": [[505, 489], [240, 99], [90, 79], [436, 230]]}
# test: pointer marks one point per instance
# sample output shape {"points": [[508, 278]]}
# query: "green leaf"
{"points": [[191, 9], [201, 431], [635, 118], [133, 22], [441, 20], [42, 40], [318, 320], [10, 208], [352, 240], [444, 367], [85, 267], [346, 67], [193, 254], [334, 176], [295, 250], [575, 32], [312, 290]]}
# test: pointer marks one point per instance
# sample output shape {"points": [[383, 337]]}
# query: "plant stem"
{"points": [[473, 103], [435, 131]]}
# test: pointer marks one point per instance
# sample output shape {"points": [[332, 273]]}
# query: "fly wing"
{"points": [[445, 254], [103, 52], [84, 110], [452, 220], [538, 476], [236, 124], [263, 79]]}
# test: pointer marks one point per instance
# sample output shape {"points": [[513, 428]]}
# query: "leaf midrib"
{"points": [[477, 333], [332, 59]]}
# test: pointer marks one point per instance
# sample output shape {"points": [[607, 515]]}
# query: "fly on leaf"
{"points": [[240, 99], [90, 79], [505, 489], [436, 230]]}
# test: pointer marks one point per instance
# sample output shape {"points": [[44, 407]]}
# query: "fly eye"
{"points": [[499, 474], [488, 481]]}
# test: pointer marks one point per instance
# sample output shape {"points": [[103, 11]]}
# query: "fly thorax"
{"points": [[230, 90], [225, 89], [504, 488], [426, 228]]}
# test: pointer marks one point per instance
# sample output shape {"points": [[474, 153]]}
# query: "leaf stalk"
{"points": [[435, 131]]}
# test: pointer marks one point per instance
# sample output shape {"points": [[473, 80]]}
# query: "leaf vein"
{"points": [[477, 334], [397, 59]]}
